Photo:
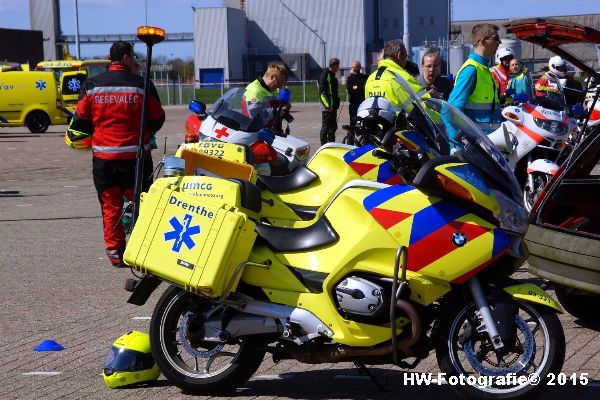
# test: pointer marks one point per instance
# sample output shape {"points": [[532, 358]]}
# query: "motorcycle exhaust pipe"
{"points": [[344, 353]]}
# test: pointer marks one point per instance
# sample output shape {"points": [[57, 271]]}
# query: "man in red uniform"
{"points": [[109, 110]]}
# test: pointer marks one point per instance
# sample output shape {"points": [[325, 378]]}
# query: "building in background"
{"points": [[235, 42], [532, 56], [45, 16], [21, 46]]}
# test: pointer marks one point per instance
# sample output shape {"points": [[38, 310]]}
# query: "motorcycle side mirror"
{"points": [[284, 95], [520, 98], [197, 107], [577, 110]]}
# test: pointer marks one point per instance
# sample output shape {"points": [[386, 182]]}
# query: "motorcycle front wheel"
{"points": [[531, 193], [194, 365], [475, 370]]}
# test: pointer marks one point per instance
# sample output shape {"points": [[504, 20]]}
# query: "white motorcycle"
{"points": [[531, 139], [227, 122]]}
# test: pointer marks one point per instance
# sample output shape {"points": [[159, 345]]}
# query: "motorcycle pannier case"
{"points": [[190, 241]]}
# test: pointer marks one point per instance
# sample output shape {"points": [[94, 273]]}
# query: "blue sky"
{"points": [[123, 16]]}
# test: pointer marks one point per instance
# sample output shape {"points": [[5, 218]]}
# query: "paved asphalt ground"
{"points": [[56, 283]]}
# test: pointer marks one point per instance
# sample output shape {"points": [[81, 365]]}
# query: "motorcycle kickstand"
{"points": [[362, 368]]}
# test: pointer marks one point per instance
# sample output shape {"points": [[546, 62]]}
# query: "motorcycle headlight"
{"points": [[512, 216], [554, 127]]}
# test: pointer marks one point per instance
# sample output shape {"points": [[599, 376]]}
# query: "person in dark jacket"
{"points": [[109, 110], [431, 76], [330, 101], [355, 86]]}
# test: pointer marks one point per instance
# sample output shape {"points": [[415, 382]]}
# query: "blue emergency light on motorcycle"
{"points": [[285, 95], [197, 107]]}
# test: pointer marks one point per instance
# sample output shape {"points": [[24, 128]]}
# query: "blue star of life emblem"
{"points": [[40, 85], [459, 239], [182, 233], [74, 85]]}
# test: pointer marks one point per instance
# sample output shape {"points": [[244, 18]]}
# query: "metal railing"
{"points": [[180, 93]]}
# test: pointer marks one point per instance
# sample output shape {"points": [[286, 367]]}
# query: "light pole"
{"points": [[77, 30]]}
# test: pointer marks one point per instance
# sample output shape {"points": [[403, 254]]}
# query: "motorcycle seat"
{"points": [[282, 239], [299, 178], [250, 194]]}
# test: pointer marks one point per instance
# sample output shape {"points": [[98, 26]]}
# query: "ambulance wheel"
{"points": [[37, 122]]}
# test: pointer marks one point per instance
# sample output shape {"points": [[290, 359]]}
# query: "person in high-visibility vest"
{"points": [[475, 91], [330, 101], [382, 82]]}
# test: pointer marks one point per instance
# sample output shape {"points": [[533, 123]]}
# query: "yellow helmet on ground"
{"points": [[129, 361], [83, 144]]}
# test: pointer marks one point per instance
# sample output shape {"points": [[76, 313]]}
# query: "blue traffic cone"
{"points": [[48, 345]]}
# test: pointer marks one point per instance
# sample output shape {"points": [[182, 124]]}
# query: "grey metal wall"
{"points": [[236, 22], [43, 15], [428, 20], [219, 40], [274, 29]]}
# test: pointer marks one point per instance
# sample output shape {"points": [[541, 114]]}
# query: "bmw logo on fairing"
{"points": [[459, 239]]}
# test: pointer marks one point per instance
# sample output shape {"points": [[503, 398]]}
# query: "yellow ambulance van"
{"points": [[70, 75], [30, 98]]}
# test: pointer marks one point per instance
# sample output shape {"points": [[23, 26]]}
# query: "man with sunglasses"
{"points": [[109, 111], [475, 91]]}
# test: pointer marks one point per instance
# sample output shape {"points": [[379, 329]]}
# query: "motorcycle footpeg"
{"points": [[131, 284]]}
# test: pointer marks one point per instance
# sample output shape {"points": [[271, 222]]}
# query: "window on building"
{"points": [[384, 23], [421, 21], [293, 65], [395, 22], [431, 21]]}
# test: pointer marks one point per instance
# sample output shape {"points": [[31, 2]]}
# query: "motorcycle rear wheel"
{"points": [[539, 349], [190, 363]]}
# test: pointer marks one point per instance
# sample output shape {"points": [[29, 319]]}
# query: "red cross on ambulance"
{"points": [[222, 132]]}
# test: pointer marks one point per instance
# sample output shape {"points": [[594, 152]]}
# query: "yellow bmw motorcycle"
{"points": [[382, 274]]}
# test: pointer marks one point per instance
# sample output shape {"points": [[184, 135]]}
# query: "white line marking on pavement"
{"points": [[70, 186], [42, 373], [11, 148], [23, 205], [269, 377], [143, 318]]}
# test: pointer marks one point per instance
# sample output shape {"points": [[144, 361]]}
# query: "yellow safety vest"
{"points": [[382, 83], [484, 99]]}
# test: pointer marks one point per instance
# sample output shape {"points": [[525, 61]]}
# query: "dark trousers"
{"points": [[352, 110], [328, 126]]}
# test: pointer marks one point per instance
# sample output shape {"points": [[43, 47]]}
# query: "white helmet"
{"points": [[503, 52], [558, 66], [377, 111]]}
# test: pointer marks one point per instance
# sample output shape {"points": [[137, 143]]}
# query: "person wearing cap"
{"points": [[501, 71], [475, 91], [355, 86]]}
